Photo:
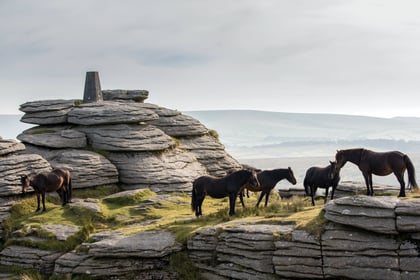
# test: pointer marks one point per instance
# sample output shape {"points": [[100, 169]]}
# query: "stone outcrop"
{"points": [[113, 254], [124, 140], [365, 249]]}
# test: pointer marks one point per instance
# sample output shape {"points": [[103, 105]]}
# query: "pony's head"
{"points": [[334, 170], [290, 176], [340, 158], [24, 180], [253, 179]]}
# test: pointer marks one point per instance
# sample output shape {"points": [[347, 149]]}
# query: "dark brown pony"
{"points": [[381, 164], [58, 180], [230, 186], [268, 180], [321, 177]]}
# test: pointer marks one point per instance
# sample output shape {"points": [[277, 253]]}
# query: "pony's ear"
{"points": [[331, 162], [289, 168]]}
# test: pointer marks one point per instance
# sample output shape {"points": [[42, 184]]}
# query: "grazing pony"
{"points": [[381, 164], [268, 180], [322, 177], [230, 186], [58, 180]]}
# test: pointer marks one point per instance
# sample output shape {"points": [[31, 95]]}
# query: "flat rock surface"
{"points": [[147, 244], [46, 112], [8, 146], [371, 213], [110, 113], [54, 137], [127, 137]]}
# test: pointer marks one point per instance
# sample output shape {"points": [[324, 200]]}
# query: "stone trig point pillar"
{"points": [[93, 91]]}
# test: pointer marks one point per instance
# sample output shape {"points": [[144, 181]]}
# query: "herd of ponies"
{"points": [[255, 180]]}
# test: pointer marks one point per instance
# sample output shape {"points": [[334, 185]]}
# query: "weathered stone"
{"points": [[146, 244], [88, 169], [371, 213], [45, 112], [26, 257], [90, 204], [348, 252], [180, 125], [14, 166], [10, 146], [298, 258], [53, 137], [408, 214], [110, 113], [210, 153], [61, 232], [123, 94], [128, 137], [169, 171]]}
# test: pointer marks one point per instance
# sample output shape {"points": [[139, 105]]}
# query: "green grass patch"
{"points": [[95, 192]]}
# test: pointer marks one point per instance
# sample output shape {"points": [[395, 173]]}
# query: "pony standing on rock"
{"points": [[322, 177], [58, 180], [381, 164], [229, 185]]}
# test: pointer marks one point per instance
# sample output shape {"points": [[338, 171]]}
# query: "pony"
{"points": [[230, 186], [58, 180], [321, 177], [268, 180], [381, 164]]}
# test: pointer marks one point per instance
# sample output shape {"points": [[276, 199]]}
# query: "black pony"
{"points": [[381, 164], [230, 185], [58, 180], [321, 177], [268, 180]]}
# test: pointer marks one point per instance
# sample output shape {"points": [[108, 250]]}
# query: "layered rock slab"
{"points": [[46, 112], [168, 171], [110, 113]]}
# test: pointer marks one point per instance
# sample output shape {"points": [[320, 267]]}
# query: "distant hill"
{"points": [[261, 134]]}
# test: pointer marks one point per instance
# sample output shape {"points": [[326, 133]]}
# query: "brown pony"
{"points": [[268, 180], [58, 180], [381, 164]]}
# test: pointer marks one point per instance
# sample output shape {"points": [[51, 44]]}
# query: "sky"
{"points": [[310, 56]]}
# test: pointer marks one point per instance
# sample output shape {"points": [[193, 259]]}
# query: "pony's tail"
{"points": [[411, 172], [193, 198]]}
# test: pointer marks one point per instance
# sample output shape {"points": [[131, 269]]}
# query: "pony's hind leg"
{"points": [[402, 185], [232, 200], [260, 198]]}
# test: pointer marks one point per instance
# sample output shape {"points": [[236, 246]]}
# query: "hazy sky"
{"points": [[330, 56]]}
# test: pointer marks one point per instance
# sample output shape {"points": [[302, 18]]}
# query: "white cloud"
{"points": [[295, 55]]}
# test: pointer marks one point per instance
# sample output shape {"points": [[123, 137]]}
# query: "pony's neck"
{"points": [[354, 156], [281, 174]]}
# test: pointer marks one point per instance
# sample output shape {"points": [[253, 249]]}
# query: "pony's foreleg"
{"points": [[241, 198], [332, 191], [38, 202], [43, 202], [232, 200], [366, 176], [326, 195], [266, 198], [65, 197], [313, 191]]}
